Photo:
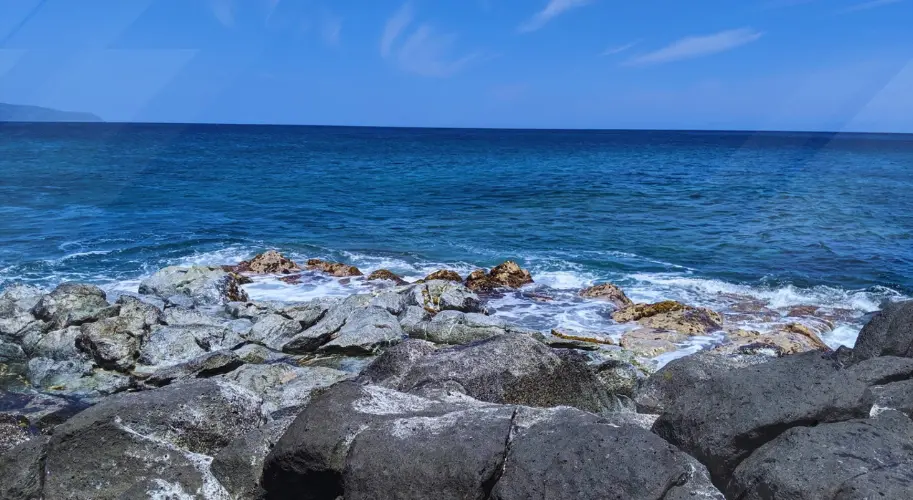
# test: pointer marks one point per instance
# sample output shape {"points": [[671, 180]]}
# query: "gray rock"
{"points": [[896, 396], [562, 453], [620, 378], [393, 301], [664, 386], [248, 310], [722, 420], [509, 369], [172, 345], [207, 365], [255, 354], [204, 285], [455, 327], [75, 378], [56, 344], [179, 316], [274, 330], [36, 412], [22, 470], [11, 353], [441, 295], [364, 332], [319, 334], [72, 304], [831, 461], [390, 367], [309, 313], [239, 466], [139, 315], [16, 303], [182, 301], [285, 389], [13, 431], [113, 342], [413, 321], [888, 333]]}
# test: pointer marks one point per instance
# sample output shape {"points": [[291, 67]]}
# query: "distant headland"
{"points": [[23, 113]]}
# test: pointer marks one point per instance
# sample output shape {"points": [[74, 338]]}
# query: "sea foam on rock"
{"points": [[202, 285]]}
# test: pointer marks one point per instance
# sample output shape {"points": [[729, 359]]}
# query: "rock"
{"points": [[385, 275], [284, 388], [22, 470], [72, 304], [662, 388], [11, 353], [16, 303], [179, 316], [177, 425], [561, 453], [248, 310], [506, 275], [609, 293], [723, 419], [390, 367], [13, 432], [172, 345], [182, 301], [444, 275], [512, 369], [650, 343], [454, 327], [792, 339], [365, 331], [565, 341], [203, 285], [309, 313], [112, 343], [36, 412], [437, 296], [76, 378], [274, 330], [239, 466], [331, 322], [255, 354], [269, 262], [832, 461], [205, 366], [888, 333], [56, 344], [394, 301], [619, 377], [139, 315], [336, 269], [895, 396], [671, 315]]}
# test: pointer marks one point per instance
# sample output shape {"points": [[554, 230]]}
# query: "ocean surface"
{"points": [[719, 219]]}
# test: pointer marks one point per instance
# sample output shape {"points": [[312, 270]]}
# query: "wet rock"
{"points": [[205, 366], [506, 275], [239, 466], [650, 343], [365, 331], [336, 269], [179, 426], [791, 339], [22, 470], [37, 413], [13, 432], [385, 275], [888, 333], [609, 293], [72, 304], [331, 322], [832, 461], [513, 369], [671, 315], [274, 330], [662, 389], [436, 296], [269, 262], [284, 388], [203, 285], [444, 275], [723, 419], [560, 453]]}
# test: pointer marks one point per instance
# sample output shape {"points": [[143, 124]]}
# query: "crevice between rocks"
{"points": [[488, 485]]}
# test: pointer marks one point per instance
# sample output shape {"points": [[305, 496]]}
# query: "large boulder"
{"points": [[365, 331], [22, 470], [386, 275], [284, 388], [337, 269], [16, 303], [113, 343], [444, 275], [671, 315], [725, 418], [173, 345], [390, 367], [162, 438], [330, 323], [208, 365], [75, 378], [512, 369], [505, 275], [239, 466], [72, 304], [607, 292], [858, 459], [441, 295], [274, 330], [455, 327], [888, 333], [790, 339], [59, 344], [203, 285], [269, 262]]}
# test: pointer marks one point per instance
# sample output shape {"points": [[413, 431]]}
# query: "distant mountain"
{"points": [[20, 113]]}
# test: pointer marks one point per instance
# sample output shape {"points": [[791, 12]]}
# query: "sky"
{"points": [[835, 65]]}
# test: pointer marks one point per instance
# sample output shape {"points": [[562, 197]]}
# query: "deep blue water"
{"points": [[805, 212]]}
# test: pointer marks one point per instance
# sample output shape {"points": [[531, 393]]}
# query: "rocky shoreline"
{"points": [[190, 390]]}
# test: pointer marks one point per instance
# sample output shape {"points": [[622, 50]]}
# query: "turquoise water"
{"points": [[785, 218]]}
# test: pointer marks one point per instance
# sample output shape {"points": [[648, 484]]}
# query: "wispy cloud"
{"points": [[424, 51], [871, 4], [552, 10], [698, 46], [224, 11], [330, 29], [618, 49]]}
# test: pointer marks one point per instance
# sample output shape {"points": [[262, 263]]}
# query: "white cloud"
{"points": [[330, 30], [618, 49], [395, 25], [698, 46], [871, 4], [552, 10]]}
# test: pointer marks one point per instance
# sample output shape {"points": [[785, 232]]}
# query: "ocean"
{"points": [[716, 219]]}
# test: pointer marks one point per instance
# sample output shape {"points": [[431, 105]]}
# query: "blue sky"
{"points": [[701, 64]]}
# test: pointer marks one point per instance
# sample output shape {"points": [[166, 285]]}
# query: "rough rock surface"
{"points": [[269, 262], [445, 275], [172, 345], [649, 342], [203, 285], [22, 470], [72, 304], [436, 296], [671, 315], [284, 388], [608, 292], [239, 466], [386, 275], [16, 303], [365, 331], [337, 269], [207, 365], [789, 340], [274, 330], [888, 333], [330, 323], [506, 275], [455, 327]]}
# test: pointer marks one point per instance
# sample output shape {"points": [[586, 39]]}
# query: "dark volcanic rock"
{"points": [[831, 461], [723, 419], [239, 466], [390, 367], [22, 470], [203, 285], [888, 333]]}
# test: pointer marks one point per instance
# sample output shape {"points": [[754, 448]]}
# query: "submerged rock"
{"points": [[385, 275], [269, 262], [609, 293], [505, 275], [203, 285], [336, 269], [671, 315]]}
